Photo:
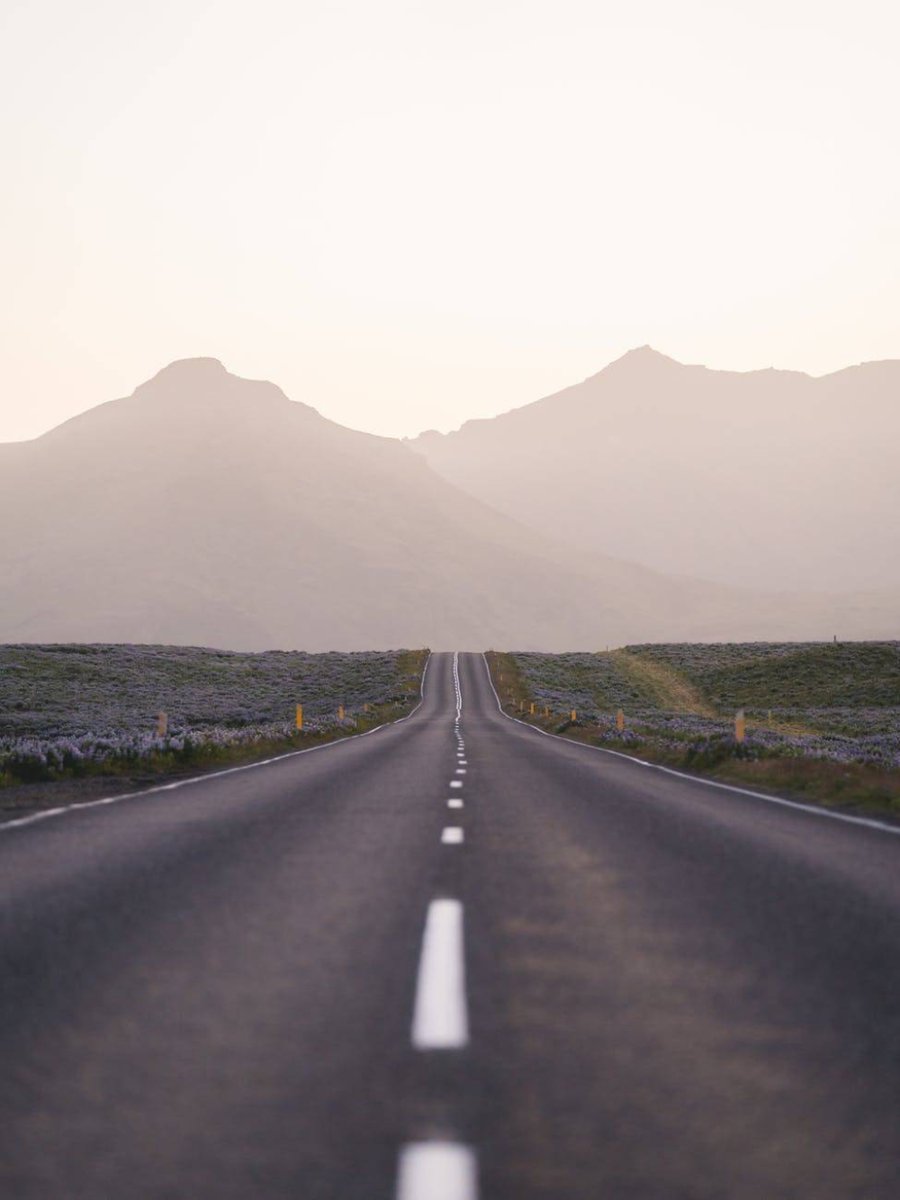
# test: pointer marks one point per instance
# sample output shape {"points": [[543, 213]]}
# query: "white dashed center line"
{"points": [[437, 1171], [441, 1170], [440, 1018]]}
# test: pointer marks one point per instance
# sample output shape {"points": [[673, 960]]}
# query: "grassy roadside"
{"points": [[850, 786], [132, 772]]}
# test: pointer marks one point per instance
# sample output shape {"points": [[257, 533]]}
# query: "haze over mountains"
{"points": [[765, 479], [208, 509]]}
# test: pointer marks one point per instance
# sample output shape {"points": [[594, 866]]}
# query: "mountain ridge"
{"points": [[764, 478], [212, 510], [641, 356]]}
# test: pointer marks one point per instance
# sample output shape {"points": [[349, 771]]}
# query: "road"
{"points": [[452, 958]]}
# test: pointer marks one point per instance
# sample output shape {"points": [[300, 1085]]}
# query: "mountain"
{"points": [[766, 479], [208, 509]]}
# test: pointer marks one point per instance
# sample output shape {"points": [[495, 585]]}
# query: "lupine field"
{"points": [[832, 704], [70, 710]]}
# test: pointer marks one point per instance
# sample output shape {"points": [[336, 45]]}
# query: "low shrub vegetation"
{"points": [[822, 719], [70, 711]]}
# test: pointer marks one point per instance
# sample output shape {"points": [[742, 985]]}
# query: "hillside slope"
{"points": [[768, 479], [211, 510]]}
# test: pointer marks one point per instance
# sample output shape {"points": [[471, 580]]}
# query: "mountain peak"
{"points": [[193, 369], [642, 355], [204, 382], [637, 362]]}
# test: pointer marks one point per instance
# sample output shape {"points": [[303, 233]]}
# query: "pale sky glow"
{"points": [[409, 214]]}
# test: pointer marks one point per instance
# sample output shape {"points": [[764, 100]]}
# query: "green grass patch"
{"points": [[778, 675]]}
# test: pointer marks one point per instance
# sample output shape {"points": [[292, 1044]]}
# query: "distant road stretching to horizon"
{"points": [[451, 959]]}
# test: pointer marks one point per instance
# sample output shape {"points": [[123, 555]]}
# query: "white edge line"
{"points": [[33, 818], [813, 810]]}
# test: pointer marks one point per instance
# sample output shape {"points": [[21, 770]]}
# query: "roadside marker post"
{"points": [[340, 712], [620, 721], [740, 726], [162, 725], [299, 717], [573, 715], [533, 706]]}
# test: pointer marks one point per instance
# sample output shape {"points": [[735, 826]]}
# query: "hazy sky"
{"points": [[410, 213]]}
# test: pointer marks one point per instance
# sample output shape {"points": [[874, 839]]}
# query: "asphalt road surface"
{"points": [[451, 959]]}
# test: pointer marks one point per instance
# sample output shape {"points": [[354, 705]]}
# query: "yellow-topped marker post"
{"points": [[162, 724], [620, 721], [340, 712], [573, 715], [740, 726], [299, 717]]}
